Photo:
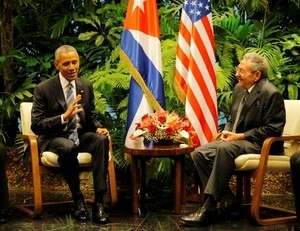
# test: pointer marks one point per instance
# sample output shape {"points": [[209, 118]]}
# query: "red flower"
{"points": [[152, 128], [169, 131]]}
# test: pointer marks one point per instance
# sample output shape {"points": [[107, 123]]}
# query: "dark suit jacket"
{"points": [[48, 105], [262, 116]]}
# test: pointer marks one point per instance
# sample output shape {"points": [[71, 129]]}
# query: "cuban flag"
{"points": [[141, 51]]}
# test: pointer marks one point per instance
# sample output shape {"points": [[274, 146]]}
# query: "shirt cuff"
{"points": [[64, 122], [62, 119]]}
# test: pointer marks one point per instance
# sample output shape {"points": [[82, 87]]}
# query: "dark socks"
{"points": [[99, 198], [77, 196]]}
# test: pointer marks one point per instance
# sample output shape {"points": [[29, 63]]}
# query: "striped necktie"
{"points": [[72, 125]]}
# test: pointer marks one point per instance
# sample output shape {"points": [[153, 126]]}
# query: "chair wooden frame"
{"points": [[34, 210], [243, 187]]}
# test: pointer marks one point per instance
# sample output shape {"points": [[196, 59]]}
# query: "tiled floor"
{"points": [[157, 216]]}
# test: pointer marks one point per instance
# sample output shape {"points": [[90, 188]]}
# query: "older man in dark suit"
{"points": [[4, 197], [257, 113], [65, 120]]}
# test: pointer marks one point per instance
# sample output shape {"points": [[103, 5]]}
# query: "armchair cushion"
{"points": [[49, 159], [250, 161]]}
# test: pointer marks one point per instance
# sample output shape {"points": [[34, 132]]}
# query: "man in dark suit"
{"points": [[262, 114], [4, 197], [65, 120]]}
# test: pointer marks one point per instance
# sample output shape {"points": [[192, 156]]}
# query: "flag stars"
{"points": [[197, 8], [138, 3]]}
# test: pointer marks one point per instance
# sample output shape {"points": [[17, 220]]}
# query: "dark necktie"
{"points": [[246, 93], [72, 125]]}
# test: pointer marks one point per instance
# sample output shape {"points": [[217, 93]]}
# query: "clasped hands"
{"points": [[75, 108], [231, 136]]}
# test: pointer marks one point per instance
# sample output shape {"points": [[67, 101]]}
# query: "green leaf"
{"points": [[99, 40], [31, 62], [86, 21], [87, 35], [293, 91]]}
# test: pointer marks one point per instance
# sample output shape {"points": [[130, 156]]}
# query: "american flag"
{"points": [[141, 51], [195, 77]]}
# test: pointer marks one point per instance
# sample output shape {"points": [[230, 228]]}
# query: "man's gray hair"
{"points": [[257, 63], [64, 49]]}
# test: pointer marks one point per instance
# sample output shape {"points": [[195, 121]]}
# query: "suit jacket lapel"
{"points": [[79, 90], [251, 99], [58, 93]]}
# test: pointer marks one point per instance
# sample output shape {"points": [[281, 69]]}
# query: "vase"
{"points": [[164, 142], [149, 143]]}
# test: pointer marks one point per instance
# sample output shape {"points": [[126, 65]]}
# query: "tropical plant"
{"points": [[230, 33], [290, 72], [9, 105], [103, 35]]}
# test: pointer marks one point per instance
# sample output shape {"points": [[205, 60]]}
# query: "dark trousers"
{"points": [[4, 197], [215, 164], [295, 170], [98, 146]]}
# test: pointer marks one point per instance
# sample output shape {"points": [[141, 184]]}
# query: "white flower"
{"points": [[184, 134], [138, 133]]}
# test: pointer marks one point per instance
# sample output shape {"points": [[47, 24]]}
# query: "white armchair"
{"points": [[48, 161]]}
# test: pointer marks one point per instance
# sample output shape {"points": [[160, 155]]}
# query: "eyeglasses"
{"points": [[242, 71]]}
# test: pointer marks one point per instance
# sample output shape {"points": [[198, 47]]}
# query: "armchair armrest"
{"points": [[265, 151], [31, 140]]}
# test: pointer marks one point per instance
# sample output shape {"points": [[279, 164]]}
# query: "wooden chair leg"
{"points": [[34, 210], [239, 188], [112, 178], [247, 189], [197, 193], [290, 216]]}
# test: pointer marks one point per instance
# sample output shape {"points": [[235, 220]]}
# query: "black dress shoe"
{"points": [[3, 217], [99, 216], [201, 217], [80, 212], [230, 206]]}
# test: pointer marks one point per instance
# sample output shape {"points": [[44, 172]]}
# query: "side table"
{"points": [[139, 151]]}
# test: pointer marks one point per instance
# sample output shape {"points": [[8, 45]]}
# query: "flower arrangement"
{"points": [[163, 125]]}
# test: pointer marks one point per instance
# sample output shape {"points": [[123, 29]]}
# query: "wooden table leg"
{"points": [[134, 182], [178, 185], [183, 180], [143, 181]]}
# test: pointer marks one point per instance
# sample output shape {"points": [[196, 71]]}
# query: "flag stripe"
{"points": [[141, 52], [143, 72], [195, 71], [207, 25]]}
